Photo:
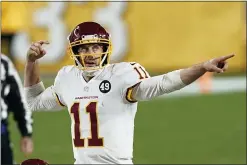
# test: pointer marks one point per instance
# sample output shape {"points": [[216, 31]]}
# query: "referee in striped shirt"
{"points": [[12, 100]]}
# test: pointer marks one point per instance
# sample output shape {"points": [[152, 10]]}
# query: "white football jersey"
{"points": [[101, 110]]}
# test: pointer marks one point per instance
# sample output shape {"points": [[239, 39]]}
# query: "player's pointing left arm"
{"points": [[175, 80]]}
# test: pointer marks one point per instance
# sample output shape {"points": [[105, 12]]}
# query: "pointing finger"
{"points": [[223, 58], [43, 42]]}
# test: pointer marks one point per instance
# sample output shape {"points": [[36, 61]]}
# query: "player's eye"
{"points": [[82, 50], [95, 48]]}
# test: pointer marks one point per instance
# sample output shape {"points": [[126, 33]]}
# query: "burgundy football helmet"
{"points": [[34, 162], [88, 33]]}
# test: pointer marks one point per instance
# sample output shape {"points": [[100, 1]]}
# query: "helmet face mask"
{"points": [[86, 34]]}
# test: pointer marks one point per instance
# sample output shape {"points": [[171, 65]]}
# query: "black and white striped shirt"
{"points": [[12, 99]]}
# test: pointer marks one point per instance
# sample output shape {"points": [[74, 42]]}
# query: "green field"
{"points": [[198, 129]]}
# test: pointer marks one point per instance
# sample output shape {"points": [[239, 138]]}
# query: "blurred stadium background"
{"points": [[204, 123]]}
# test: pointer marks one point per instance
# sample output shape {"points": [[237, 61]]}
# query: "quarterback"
{"points": [[101, 98]]}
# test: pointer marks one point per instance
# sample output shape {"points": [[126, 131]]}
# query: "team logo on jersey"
{"points": [[105, 86]]}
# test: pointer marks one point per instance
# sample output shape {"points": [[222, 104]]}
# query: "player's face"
{"points": [[91, 54]]}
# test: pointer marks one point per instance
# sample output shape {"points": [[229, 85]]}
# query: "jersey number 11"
{"points": [[94, 140]]}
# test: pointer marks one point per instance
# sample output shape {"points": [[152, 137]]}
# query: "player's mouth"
{"points": [[90, 63]]}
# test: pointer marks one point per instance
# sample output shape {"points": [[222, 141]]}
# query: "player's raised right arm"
{"points": [[38, 98], [31, 76]]}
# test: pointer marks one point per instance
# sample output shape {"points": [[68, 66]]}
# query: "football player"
{"points": [[101, 97]]}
